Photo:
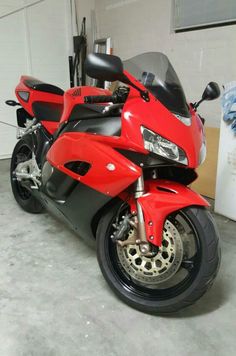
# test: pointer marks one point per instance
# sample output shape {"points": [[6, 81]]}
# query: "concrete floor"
{"points": [[54, 300]]}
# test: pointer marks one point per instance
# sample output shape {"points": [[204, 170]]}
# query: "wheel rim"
{"points": [[159, 268], [22, 155], [162, 284]]}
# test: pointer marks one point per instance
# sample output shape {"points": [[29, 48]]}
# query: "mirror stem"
{"points": [[196, 105], [143, 93]]}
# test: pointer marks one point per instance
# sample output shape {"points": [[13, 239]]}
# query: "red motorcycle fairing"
{"points": [[37, 96], [75, 96], [156, 117], [100, 151], [110, 172], [162, 198], [64, 102]]}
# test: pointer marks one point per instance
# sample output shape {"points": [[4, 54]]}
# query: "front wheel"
{"points": [[177, 274]]}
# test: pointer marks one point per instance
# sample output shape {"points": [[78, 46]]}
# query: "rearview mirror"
{"points": [[104, 67], [211, 92]]}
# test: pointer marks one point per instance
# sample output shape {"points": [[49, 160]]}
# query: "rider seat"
{"points": [[36, 84]]}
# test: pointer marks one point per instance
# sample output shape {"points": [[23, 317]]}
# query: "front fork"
{"points": [[136, 221], [150, 209], [140, 223]]}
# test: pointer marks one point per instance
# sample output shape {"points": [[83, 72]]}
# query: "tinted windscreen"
{"points": [[156, 73]]}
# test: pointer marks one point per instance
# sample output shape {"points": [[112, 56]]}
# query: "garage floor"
{"points": [[54, 301]]}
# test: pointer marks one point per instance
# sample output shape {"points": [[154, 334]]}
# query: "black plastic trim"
{"points": [[148, 160], [91, 111], [78, 167], [22, 115], [107, 126], [47, 111], [75, 202]]}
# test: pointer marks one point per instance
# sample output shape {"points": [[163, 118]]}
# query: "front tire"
{"points": [[24, 197], [197, 272]]}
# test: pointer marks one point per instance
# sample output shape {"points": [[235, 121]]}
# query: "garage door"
{"points": [[35, 39]]}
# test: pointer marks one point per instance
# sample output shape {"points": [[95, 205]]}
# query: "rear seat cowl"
{"points": [[37, 84]]}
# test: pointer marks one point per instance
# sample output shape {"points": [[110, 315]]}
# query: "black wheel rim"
{"points": [[190, 264], [22, 155]]}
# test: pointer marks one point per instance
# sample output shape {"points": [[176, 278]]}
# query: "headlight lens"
{"points": [[163, 147]]}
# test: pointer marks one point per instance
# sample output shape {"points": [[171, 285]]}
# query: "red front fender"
{"points": [[163, 198]]}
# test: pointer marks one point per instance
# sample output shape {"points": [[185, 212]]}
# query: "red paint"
{"points": [[158, 204], [50, 126], [75, 96], [99, 151], [35, 95], [70, 98]]}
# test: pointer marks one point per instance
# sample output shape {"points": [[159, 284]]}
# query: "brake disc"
{"points": [[158, 268]]}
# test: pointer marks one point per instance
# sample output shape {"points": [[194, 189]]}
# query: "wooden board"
{"points": [[206, 182]]}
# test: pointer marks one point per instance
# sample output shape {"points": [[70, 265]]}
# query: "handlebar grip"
{"points": [[98, 99]]}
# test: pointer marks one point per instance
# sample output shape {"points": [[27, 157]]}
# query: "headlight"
{"points": [[163, 147]]}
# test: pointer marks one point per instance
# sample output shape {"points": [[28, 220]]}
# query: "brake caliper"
{"points": [[122, 228]]}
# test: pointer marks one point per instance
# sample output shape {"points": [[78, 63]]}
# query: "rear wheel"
{"points": [[23, 152], [177, 274]]}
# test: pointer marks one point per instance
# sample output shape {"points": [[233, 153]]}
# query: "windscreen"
{"points": [[156, 73]]}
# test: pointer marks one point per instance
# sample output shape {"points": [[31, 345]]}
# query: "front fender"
{"points": [[162, 198]]}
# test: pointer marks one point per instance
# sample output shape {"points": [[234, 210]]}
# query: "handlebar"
{"points": [[119, 97]]}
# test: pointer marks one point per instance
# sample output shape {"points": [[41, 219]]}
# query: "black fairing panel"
{"points": [[165, 169], [42, 141], [86, 111], [181, 175], [148, 160], [22, 116], [75, 201], [47, 111], [81, 206], [91, 111], [107, 126], [56, 184]]}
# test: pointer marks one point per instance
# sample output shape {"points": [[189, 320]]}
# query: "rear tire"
{"points": [[23, 196], [167, 300]]}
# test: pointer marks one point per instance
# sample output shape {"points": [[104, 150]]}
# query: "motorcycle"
{"points": [[117, 168]]}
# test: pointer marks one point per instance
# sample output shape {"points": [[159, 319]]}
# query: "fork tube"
{"points": [[139, 187], [139, 191]]}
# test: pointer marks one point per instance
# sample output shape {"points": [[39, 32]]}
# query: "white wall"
{"points": [[198, 56], [84, 9], [34, 41]]}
